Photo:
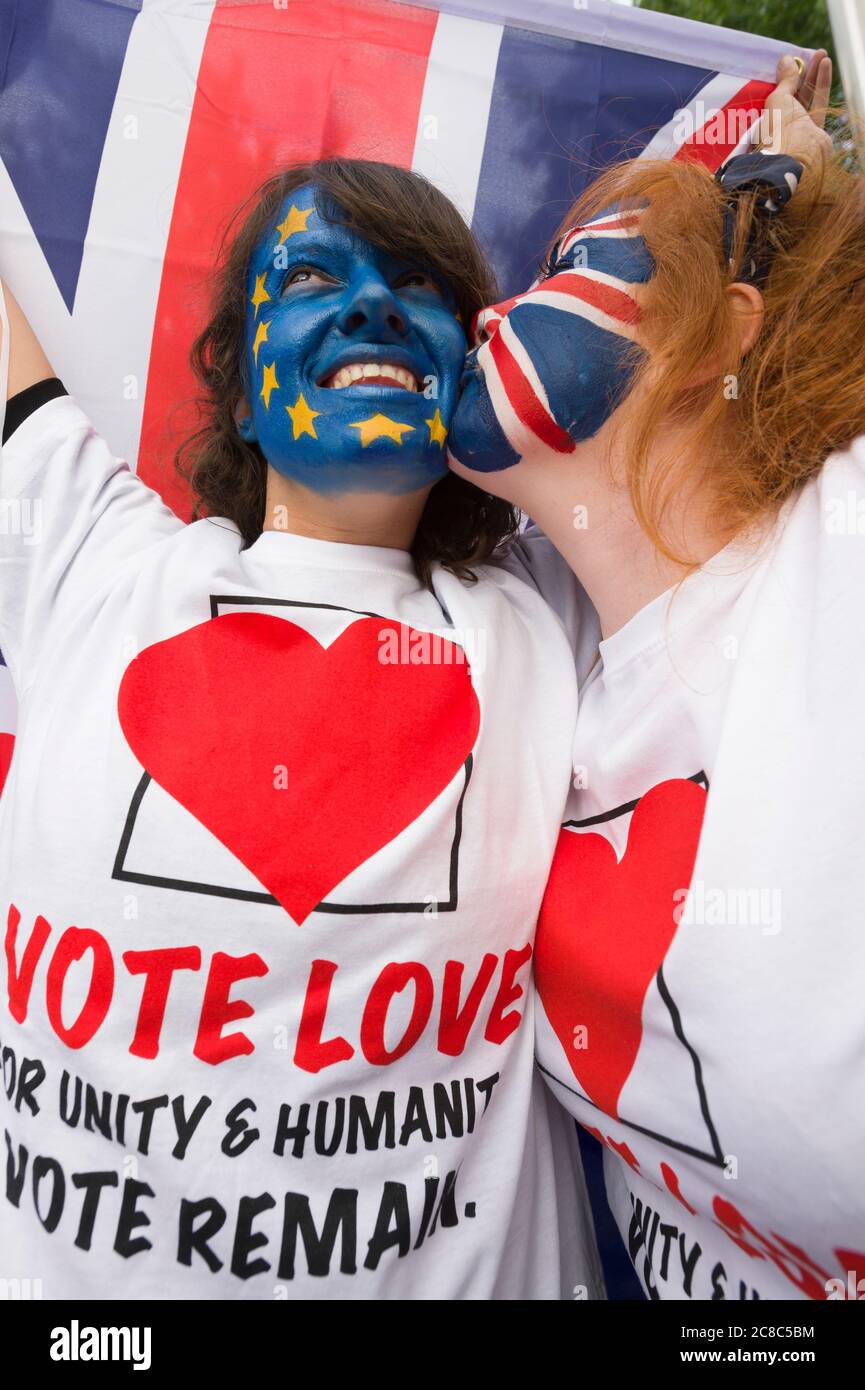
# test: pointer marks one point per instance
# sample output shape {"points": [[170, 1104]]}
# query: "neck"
{"points": [[355, 518], [591, 521]]}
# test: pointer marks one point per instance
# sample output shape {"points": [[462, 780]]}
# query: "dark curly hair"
{"points": [[405, 215]]}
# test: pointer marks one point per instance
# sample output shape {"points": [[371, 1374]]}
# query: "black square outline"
{"points": [[125, 875], [716, 1157]]}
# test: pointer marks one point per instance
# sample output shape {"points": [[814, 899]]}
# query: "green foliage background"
{"points": [[803, 22]]}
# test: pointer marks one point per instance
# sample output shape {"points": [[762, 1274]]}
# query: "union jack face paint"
{"points": [[551, 365]]}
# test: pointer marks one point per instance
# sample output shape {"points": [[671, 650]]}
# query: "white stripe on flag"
{"points": [[452, 127], [512, 427], [603, 228], [8, 705], [569, 304], [115, 306], [519, 435], [691, 118], [525, 364]]}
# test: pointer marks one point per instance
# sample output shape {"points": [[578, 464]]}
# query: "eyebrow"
{"points": [[307, 242], [310, 246]]}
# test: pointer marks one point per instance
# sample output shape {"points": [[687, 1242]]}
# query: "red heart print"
{"points": [[214, 713], [605, 927]]}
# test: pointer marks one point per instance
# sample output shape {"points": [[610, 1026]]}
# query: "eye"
{"points": [[417, 280], [305, 275], [550, 262]]}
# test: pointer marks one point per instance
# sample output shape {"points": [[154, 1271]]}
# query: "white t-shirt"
{"points": [[714, 1040], [271, 856]]}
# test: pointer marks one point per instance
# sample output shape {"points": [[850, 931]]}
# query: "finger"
{"points": [[809, 79], [822, 89], [787, 77]]}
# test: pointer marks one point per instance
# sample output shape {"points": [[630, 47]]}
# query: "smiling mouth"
{"points": [[371, 374]]}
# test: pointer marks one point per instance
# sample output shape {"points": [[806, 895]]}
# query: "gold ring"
{"points": [[800, 63]]}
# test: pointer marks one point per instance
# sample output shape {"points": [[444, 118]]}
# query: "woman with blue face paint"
{"points": [[271, 856], [679, 404]]}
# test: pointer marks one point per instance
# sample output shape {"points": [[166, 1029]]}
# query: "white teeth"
{"points": [[357, 371]]}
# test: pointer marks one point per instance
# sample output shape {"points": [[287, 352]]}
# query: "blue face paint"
{"points": [[552, 364], [323, 303]]}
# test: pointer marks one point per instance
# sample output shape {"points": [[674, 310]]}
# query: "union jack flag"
{"points": [[130, 129]]}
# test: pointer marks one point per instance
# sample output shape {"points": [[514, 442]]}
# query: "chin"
{"points": [[477, 447], [364, 473], [497, 482], [471, 475]]}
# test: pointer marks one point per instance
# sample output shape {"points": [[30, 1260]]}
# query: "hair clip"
{"points": [[775, 178]]}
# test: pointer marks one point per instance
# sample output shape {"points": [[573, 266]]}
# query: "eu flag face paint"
{"points": [[551, 365], [353, 357]]}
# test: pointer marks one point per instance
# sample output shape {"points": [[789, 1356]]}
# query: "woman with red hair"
{"points": [[679, 404]]}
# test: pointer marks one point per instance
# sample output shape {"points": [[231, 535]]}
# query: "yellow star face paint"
{"points": [[295, 220], [259, 294], [379, 427], [437, 431], [302, 418], [269, 384], [260, 337]]}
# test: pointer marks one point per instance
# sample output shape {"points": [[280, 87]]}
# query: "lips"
{"points": [[366, 367], [366, 373], [470, 369]]}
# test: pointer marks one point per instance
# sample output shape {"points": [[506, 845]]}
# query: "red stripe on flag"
{"points": [[7, 747], [523, 400], [611, 224], [276, 86], [486, 319], [716, 140], [617, 304]]}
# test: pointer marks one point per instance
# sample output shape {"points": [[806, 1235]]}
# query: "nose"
{"points": [[373, 311], [487, 320]]}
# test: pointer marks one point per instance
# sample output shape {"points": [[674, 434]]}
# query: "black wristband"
{"points": [[23, 403]]}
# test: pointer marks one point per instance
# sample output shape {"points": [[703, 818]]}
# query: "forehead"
{"points": [[307, 221], [302, 223], [297, 219]]}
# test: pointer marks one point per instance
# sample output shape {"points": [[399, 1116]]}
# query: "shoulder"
{"points": [[807, 587], [829, 509], [42, 419], [495, 587], [533, 558], [839, 489], [517, 627]]}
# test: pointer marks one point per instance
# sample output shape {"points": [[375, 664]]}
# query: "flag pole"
{"points": [[848, 28]]}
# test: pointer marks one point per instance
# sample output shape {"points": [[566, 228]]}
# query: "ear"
{"points": [[244, 421], [746, 309], [746, 306]]}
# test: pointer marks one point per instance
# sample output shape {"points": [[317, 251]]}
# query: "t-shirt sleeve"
{"points": [[72, 516], [23, 403], [533, 558]]}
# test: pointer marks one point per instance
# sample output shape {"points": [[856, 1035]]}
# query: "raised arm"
{"points": [[27, 360]]}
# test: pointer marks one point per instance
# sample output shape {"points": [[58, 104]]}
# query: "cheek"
{"points": [[285, 331], [447, 341], [451, 358]]}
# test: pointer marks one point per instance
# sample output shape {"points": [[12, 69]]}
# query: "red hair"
{"points": [[799, 390]]}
